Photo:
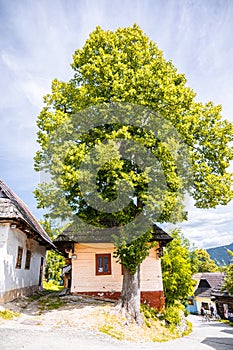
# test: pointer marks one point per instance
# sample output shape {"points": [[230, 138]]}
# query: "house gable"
{"points": [[23, 244], [206, 283], [14, 211]]}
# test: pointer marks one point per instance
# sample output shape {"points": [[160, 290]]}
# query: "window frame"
{"points": [[19, 258], [28, 259], [104, 255]]}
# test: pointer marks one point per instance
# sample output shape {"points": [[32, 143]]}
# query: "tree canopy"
{"points": [[201, 261], [125, 66]]}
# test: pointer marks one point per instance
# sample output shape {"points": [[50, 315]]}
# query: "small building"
{"points": [[205, 282], [23, 245], [223, 301], [95, 272]]}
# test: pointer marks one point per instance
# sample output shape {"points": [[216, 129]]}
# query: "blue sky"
{"points": [[38, 38]]}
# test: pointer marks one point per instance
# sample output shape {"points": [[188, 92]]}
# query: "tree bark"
{"points": [[130, 296]]}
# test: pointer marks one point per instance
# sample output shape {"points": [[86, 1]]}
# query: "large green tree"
{"points": [[113, 73]]}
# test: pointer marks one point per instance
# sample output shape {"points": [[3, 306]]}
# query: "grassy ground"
{"points": [[8, 315], [51, 286]]}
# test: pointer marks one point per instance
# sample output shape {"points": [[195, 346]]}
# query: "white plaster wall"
{"points": [[4, 228], [12, 278]]}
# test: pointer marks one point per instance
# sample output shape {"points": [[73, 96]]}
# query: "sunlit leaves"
{"points": [[177, 272]]}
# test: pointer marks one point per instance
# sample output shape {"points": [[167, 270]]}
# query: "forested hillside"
{"points": [[220, 254]]}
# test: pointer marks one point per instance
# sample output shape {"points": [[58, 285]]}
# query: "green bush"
{"points": [[149, 313], [174, 314]]}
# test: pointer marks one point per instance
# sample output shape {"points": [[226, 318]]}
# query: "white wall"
{"points": [[14, 278], [4, 228]]}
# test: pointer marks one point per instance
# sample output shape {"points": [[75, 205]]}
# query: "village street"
{"points": [[31, 336]]}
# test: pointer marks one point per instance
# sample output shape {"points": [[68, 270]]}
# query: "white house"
{"points": [[23, 245]]}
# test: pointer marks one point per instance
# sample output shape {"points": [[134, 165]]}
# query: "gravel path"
{"points": [[67, 329]]}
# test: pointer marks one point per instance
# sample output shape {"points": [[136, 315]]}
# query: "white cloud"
{"points": [[209, 228]]}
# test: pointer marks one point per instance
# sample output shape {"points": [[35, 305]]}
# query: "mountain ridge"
{"points": [[220, 255]]}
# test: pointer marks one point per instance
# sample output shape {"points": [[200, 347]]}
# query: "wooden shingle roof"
{"points": [[74, 234], [218, 292], [206, 282], [14, 210]]}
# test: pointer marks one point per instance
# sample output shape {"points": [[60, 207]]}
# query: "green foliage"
{"points": [[173, 317], [125, 66], [201, 261], [8, 315], [173, 314], [149, 312], [176, 269], [54, 263], [228, 280], [132, 254], [54, 260]]}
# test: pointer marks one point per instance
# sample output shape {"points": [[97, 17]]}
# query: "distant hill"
{"points": [[220, 255]]}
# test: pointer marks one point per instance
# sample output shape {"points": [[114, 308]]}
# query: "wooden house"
{"points": [[94, 271], [23, 245], [223, 301], [205, 283]]}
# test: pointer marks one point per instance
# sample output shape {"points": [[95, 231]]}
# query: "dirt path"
{"points": [[69, 327]]}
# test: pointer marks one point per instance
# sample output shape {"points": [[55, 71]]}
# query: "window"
{"points": [[205, 305], [19, 258], [190, 302], [103, 264], [28, 260]]}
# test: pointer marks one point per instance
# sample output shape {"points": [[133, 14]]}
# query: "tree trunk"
{"points": [[130, 296]]}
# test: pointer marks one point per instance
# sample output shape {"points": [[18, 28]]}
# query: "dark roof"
{"points": [[206, 281], [160, 235], [218, 292], [13, 209], [74, 234]]}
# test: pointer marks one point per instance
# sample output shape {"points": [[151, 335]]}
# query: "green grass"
{"points": [[47, 304], [52, 286], [110, 330], [34, 297], [8, 315]]}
